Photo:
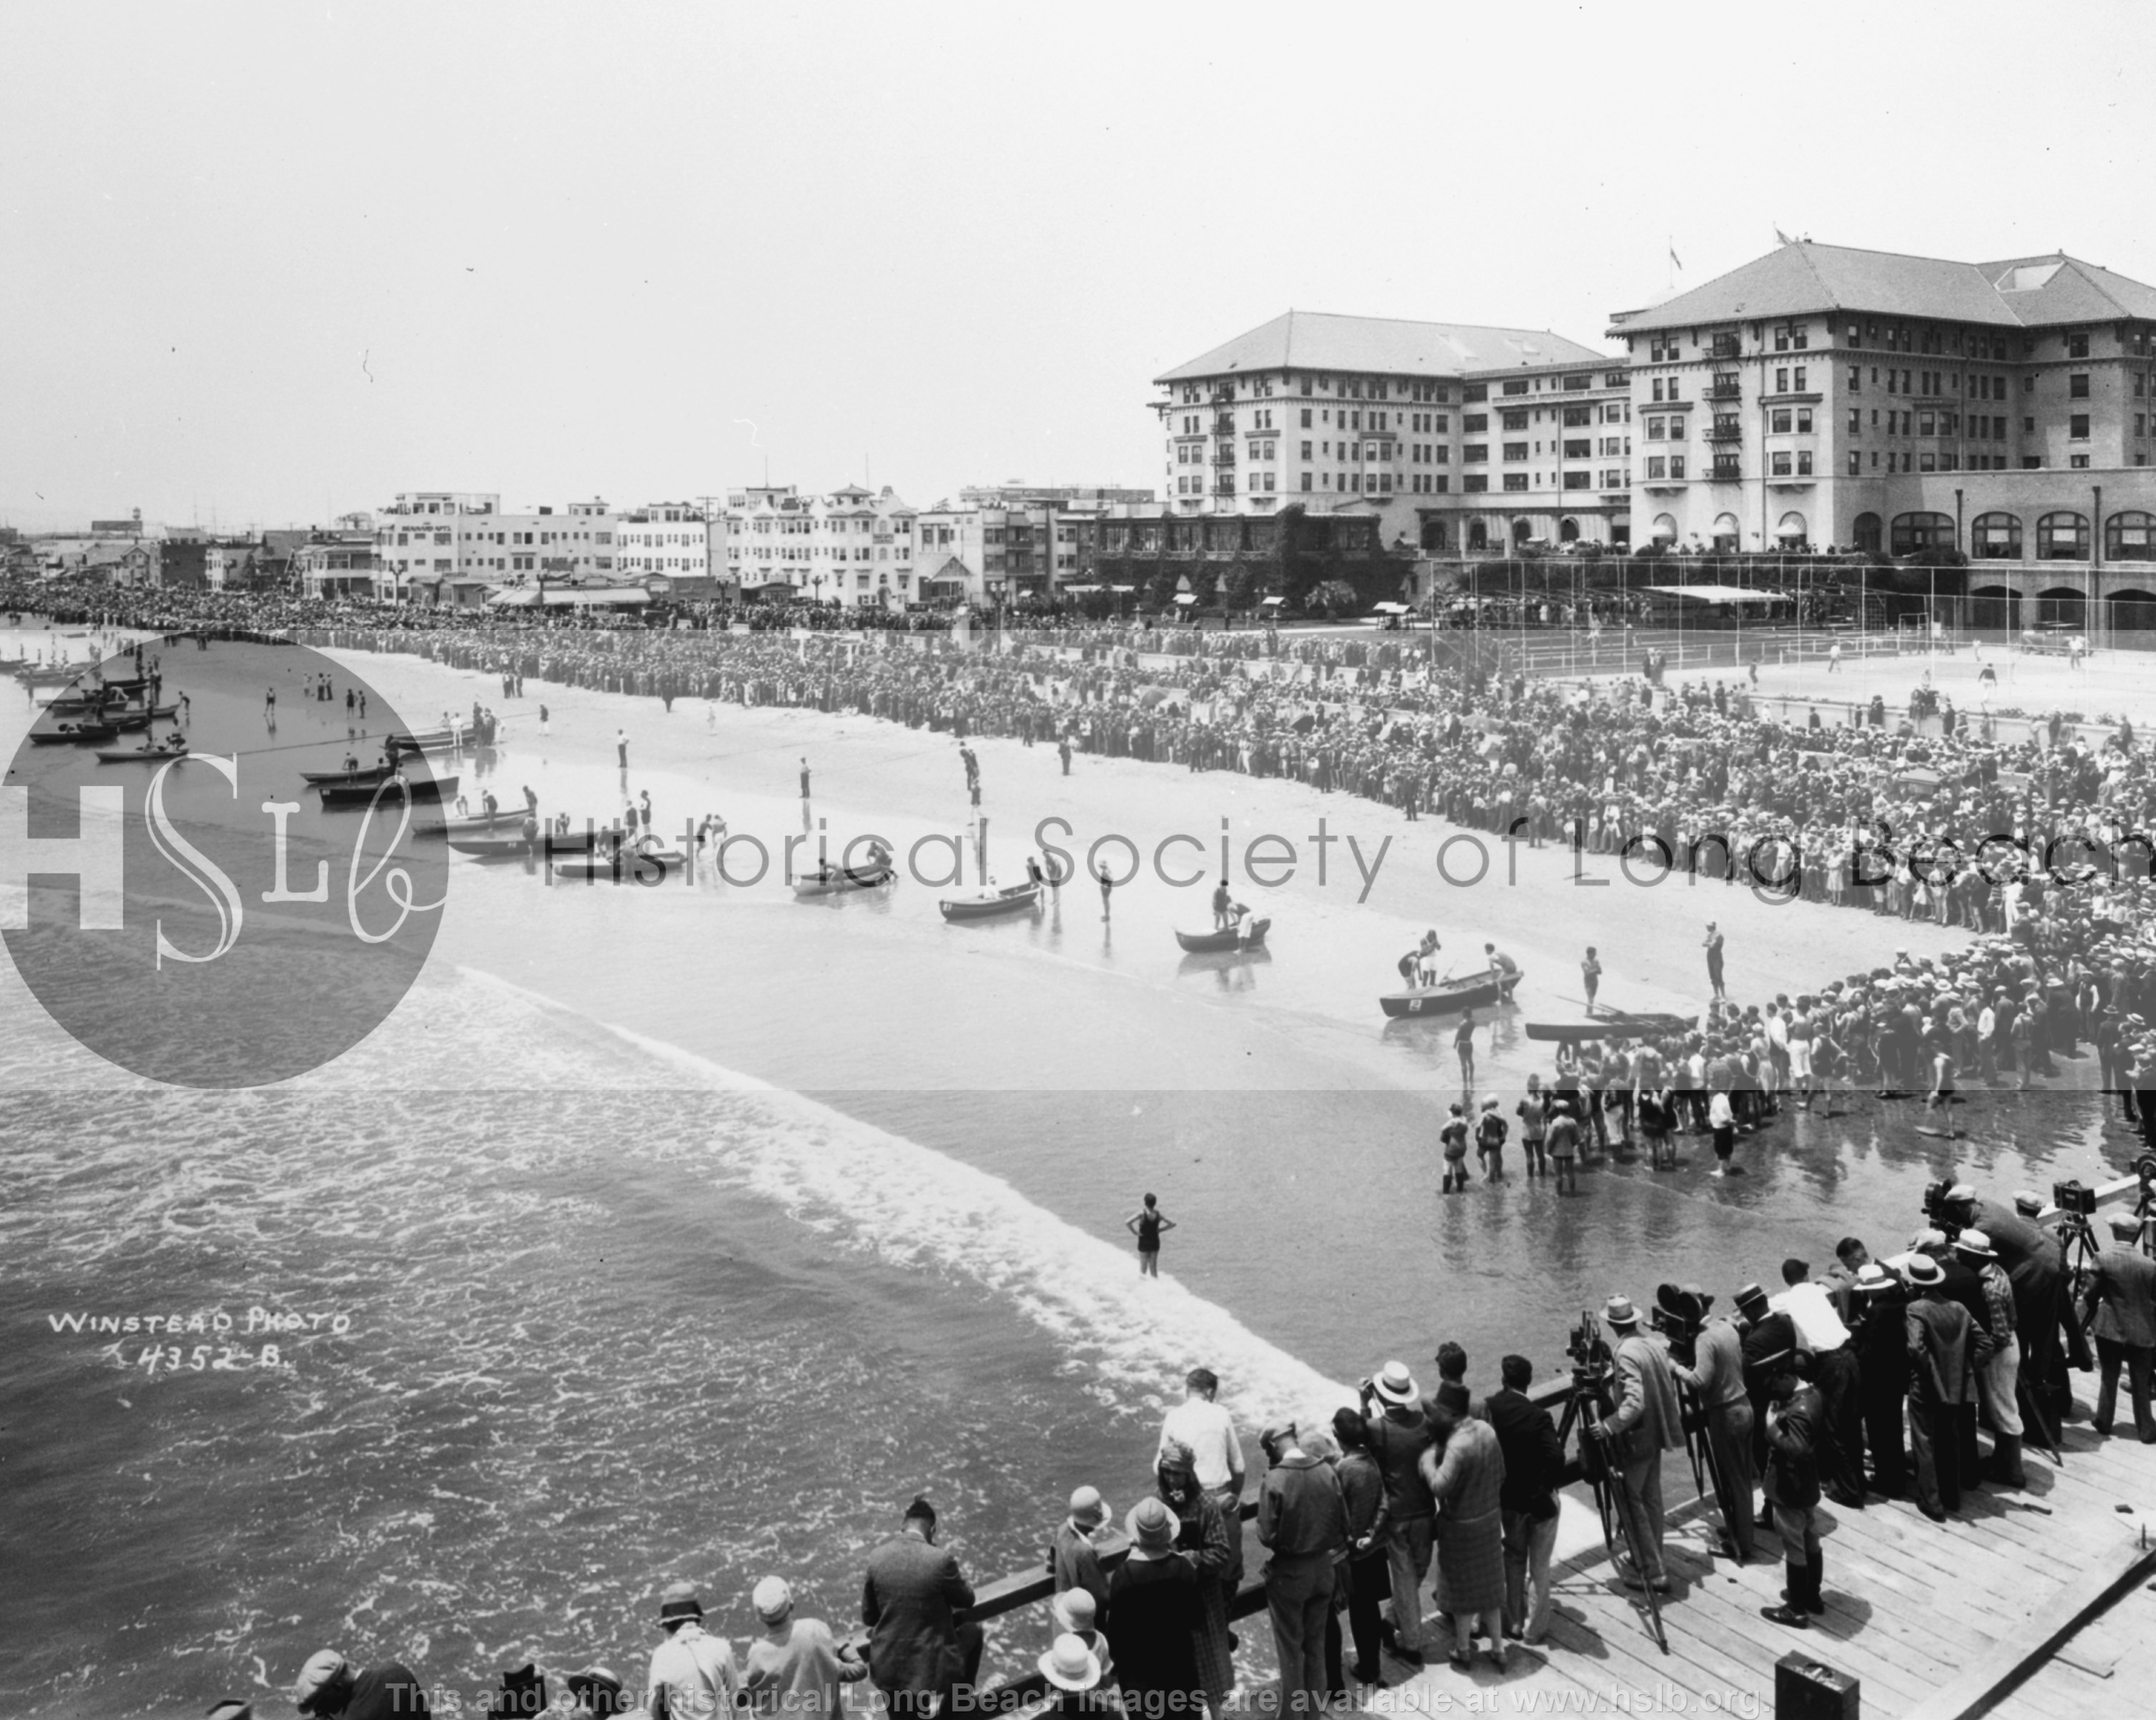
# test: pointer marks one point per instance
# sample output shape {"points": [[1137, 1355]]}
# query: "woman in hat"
{"points": [[1464, 1473], [1073, 1672], [1153, 1595], [1204, 1537]]}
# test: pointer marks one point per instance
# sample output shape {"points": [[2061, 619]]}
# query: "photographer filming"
{"points": [[1795, 1415], [2031, 1257], [1714, 1373], [1767, 1337], [1647, 1421]]}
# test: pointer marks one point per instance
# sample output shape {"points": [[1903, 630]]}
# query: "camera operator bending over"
{"points": [[1878, 1329], [1647, 1421], [1717, 1376], [1996, 1383], [1839, 1449]]}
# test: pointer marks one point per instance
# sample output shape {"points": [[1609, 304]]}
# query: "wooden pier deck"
{"points": [[1938, 1621]]}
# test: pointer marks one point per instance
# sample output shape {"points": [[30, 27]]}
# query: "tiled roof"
{"points": [[1806, 279], [1382, 345]]}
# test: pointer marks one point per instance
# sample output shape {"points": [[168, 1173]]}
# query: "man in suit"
{"points": [[1880, 1330], [1647, 1421], [1534, 1465], [1796, 1420], [1768, 1336], [2124, 1290], [1717, 1376], [2031, 1256], [919, 1651], [1946, 1349], [1302, 1520]]}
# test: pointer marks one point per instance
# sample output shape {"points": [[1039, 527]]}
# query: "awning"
{"points": [[1391, 608], [1272, 602], [528, 596], [1715, 593], [1081, 590], [1185, 596]]}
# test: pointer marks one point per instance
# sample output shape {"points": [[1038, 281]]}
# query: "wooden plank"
{"points": [[2110, 1575]]}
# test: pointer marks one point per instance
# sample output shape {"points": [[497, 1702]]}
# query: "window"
{"points": [[1857, 379], [1778, 463], [2078, 462], [2130, 537], [1995, 536], [1855, 420], [1516, 480], [2078, 344], [1475, 391], [1475, 483], [1580, 448], [1306, 446], [1516, 450], [2062, 536], [1440, 484], [1515, 388], [2077, 426], [1798, 377], [1306, 416], [2078, 385], [1475, 423], [1657, 467], [1474, 453], [1804, 421], [1514, 420], [1656, 429], [1855, 462], [1676, 465], [1781, 420], [1577, 416], [1926, 531], [1578, 480], [1782, 379], [1440, 421]]}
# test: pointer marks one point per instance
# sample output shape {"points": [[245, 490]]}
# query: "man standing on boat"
{"points": [[1503, 967], [1225, 911]]}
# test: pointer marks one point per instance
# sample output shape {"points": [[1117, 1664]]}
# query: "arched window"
{"points": [[1791, 530], [1568, 530], [1665, 527], [1916, 531], [1478, 535], [1995, 538], [2063, 537], [1523, 528], [1433, 535], [1725, 531], [2130, 537], [1865, 532]]}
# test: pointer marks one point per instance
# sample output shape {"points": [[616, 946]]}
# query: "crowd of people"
{"points": [[1405, 1527]]}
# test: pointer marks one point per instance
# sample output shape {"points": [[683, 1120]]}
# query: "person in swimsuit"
{"points": [[1147, 1224]]}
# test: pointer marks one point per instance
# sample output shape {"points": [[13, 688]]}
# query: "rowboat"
{"points": [[842, 880], [432, 741], [140, 755], [1234, 937], [635, 866], [1014, 899], [489, 850], [363, 794], [68, 732], [366, 773], [1614, 1026], [502, 818], [1469, 991]]}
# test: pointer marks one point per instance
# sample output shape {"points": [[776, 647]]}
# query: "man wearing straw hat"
{"points": [[1399, 1433], [795, 1666], [1647, 1421]]}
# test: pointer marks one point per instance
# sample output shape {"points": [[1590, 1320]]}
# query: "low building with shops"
{"points": [[1240, 561]]}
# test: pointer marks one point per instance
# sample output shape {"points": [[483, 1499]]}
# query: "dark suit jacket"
{"points": [[910, 1603], [2125, 1290], [1534, 1461]]}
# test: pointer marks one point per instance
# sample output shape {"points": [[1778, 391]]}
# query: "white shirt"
{"points": [[1811, 1309], [697, 1672], [1210, 1433]]}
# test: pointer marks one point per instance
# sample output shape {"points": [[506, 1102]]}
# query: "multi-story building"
{"points": [[853, 545], [1827, 396], [436, 537], [676, 548], [1454, 436], [1014, 540]]}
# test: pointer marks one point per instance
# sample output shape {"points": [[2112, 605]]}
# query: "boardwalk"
{"points": [[1932, 1619]]}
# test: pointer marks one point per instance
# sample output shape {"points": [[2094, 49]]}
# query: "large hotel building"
{"points": [[1817, 396]]}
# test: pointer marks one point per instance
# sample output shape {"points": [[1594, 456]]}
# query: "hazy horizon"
{"points": [[270, 266]]}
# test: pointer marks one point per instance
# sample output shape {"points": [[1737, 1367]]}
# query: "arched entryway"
{"points": [[2131, 611], [1568, 530], [1726, 534], [1994, 608], [1523, 528], [1478, 535], [1791, 531], [2062, 606], [1433, 535], [1666, 529], [1995, 538], [1865, 533]]}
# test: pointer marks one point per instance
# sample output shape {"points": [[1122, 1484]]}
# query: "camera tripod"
{"points": [[1583, 1406]]}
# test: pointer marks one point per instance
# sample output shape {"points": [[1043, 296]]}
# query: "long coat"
{"points": [[909, 1602]]}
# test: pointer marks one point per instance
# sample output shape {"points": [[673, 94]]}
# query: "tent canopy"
{"points": [[1715, 594], [528, 596]]}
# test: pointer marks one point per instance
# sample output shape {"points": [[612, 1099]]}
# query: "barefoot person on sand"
{"points": [[1146, 1224]]}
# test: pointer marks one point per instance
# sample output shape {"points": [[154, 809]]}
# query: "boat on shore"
{"points": [[364, 773], [72, 733], [631, 866], [841, 881], [502, 818], [992, 903], [335, 794], [1616, 1025], [431, 740], [1483, 990], [1241, 937], [492, 850], [141, 755]]}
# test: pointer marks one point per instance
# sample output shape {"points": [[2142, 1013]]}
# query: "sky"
{"points": [[261, 265]]}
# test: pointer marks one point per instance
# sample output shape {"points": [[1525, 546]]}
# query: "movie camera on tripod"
{"points": [[1592, 1397]]}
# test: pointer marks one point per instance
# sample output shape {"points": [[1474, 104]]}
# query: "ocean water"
{"points": [[691, 1232]]}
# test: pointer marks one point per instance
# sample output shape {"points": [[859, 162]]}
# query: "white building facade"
{"points": [[435, 536]]}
